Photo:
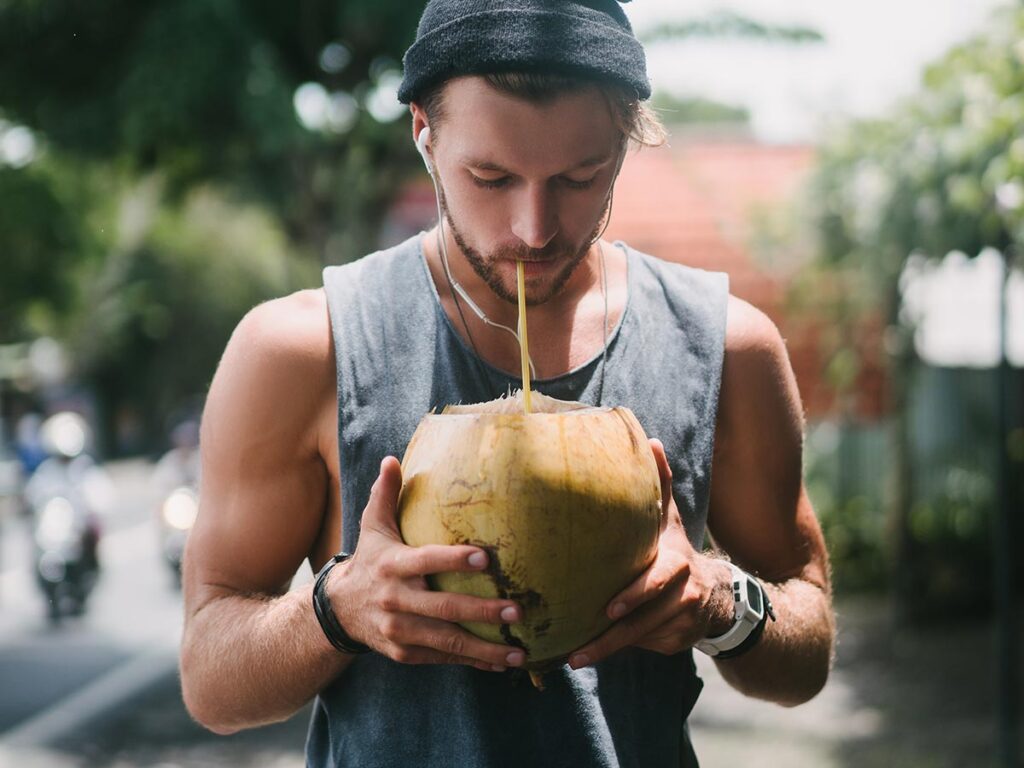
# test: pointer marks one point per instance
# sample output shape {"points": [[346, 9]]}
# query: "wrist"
{"points": [[720, 605], [751, 610], [333, 630]]}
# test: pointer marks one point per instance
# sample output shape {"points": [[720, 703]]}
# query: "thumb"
{"points": [[665, 476], [664, 470], [381, 511]]}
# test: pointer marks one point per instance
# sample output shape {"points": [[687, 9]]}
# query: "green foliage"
{"points": [[676, 110], [202, 90], [155, 317], [175, 185], [728, 24], [944, 173], [45, 236]]}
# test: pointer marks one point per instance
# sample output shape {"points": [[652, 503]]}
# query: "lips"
{"points": [[536, 267]]}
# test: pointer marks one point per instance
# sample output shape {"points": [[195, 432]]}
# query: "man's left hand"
{"points": [[681, 598]]}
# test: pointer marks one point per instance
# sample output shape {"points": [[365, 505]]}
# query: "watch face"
{"points": [[754, 597]]}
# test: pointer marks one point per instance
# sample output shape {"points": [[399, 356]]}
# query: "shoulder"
{"points": [[758, 384], [752, 340], [293, 328], [277, 368]]}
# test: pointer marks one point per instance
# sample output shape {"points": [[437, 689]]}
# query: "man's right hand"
{"points": [[382, 599]]}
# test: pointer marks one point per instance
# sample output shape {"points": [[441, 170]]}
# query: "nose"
{"points": [[534, 218]]}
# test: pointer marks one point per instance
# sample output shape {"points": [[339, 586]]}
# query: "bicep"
{"points": [[264, 485], [759, 512]]}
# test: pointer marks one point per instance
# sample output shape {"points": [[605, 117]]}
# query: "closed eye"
{"points": [[582, 184], [490, 183]]}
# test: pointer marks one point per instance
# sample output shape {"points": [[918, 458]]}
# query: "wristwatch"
{"points": [[752, 609]]}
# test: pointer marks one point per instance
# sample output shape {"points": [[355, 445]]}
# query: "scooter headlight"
{"points": [[180, 509], [56, 522]]}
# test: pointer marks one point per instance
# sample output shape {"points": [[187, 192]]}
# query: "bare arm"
{"points": [[252, 652], [760, 516]]}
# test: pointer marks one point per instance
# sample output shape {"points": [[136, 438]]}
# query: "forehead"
{"points": [[567, 128]]}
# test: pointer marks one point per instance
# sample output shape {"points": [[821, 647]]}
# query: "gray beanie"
{"points": [[590, 38]]}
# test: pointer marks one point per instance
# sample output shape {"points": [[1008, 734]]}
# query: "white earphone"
{"points": [[421, 147]]}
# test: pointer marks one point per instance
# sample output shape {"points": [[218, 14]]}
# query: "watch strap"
{"points": [[333, 631], [752, 638], [749, 622]]}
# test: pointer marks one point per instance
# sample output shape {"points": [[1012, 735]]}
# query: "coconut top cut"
{"points": [[515, 403]]}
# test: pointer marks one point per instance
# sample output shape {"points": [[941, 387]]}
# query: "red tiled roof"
{"points": [[694, 203]]}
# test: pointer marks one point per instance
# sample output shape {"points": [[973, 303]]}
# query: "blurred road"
{"points": [[102, 690], [132, 611], [106, 683]]}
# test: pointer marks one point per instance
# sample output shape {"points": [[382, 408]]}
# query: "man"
{"points": [[529, 105]]}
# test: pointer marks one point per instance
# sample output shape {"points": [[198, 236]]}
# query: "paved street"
{"points": [[102, 690]]}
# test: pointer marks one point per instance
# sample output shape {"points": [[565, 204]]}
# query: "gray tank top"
{"points": [[398, 356]]}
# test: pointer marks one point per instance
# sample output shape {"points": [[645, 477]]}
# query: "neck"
{"points": [[564, 331]]}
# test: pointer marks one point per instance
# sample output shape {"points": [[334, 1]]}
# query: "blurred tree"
{"points": [[149, 118], [729, 24], [154, 317], [37, 237], [675, 110], [944, 173], [209, 89]]}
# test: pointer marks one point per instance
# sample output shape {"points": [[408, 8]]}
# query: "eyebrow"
{"points": [[487, 165]]}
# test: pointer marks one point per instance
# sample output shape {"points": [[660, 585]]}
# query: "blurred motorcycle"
{"points": [[177, 478], [60, 497], [177, 515]]}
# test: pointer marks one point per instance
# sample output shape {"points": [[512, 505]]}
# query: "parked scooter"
{"points": [[65, 519], [177, 477]]}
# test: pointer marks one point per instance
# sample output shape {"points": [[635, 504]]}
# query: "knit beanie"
{"points": [[588, 38]]}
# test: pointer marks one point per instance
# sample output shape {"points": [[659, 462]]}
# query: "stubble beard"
{"points": [[484, 266]]}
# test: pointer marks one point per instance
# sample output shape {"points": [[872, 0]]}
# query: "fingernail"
{"points": [[579, 660], [617, 611], [515, 658], [478, 559], [497, 668], [509, 614]]}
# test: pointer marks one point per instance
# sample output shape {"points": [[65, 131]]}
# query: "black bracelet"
{"points": [[335, 633]]}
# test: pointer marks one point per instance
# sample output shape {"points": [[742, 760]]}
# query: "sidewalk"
{"points": [[919, 699]]}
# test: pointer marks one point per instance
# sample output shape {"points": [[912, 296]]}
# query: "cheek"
{"points": [[477, 212]]}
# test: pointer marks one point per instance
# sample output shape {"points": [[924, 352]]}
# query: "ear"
{"points": [[419, 121]]}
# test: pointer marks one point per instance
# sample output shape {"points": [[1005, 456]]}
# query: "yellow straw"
{"points": [[524, 347]]}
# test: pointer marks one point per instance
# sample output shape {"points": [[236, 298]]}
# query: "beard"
{"points": [[557, 250]]}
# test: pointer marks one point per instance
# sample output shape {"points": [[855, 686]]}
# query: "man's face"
{"points": [[524, 181]]}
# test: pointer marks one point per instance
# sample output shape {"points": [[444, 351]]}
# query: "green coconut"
{"points": [[566, 500]]}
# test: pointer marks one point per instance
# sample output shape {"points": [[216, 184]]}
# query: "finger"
{"points": [[382, 508], [453, 641], [664, 476], [620, 635], [649, 585], [417, 655], [451, 607], [408, 562]]}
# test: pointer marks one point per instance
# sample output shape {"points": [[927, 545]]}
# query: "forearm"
{"points": [[790, 663], [248, 661]]}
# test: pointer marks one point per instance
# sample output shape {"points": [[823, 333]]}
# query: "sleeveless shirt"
{"points": [[398, 356]]}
